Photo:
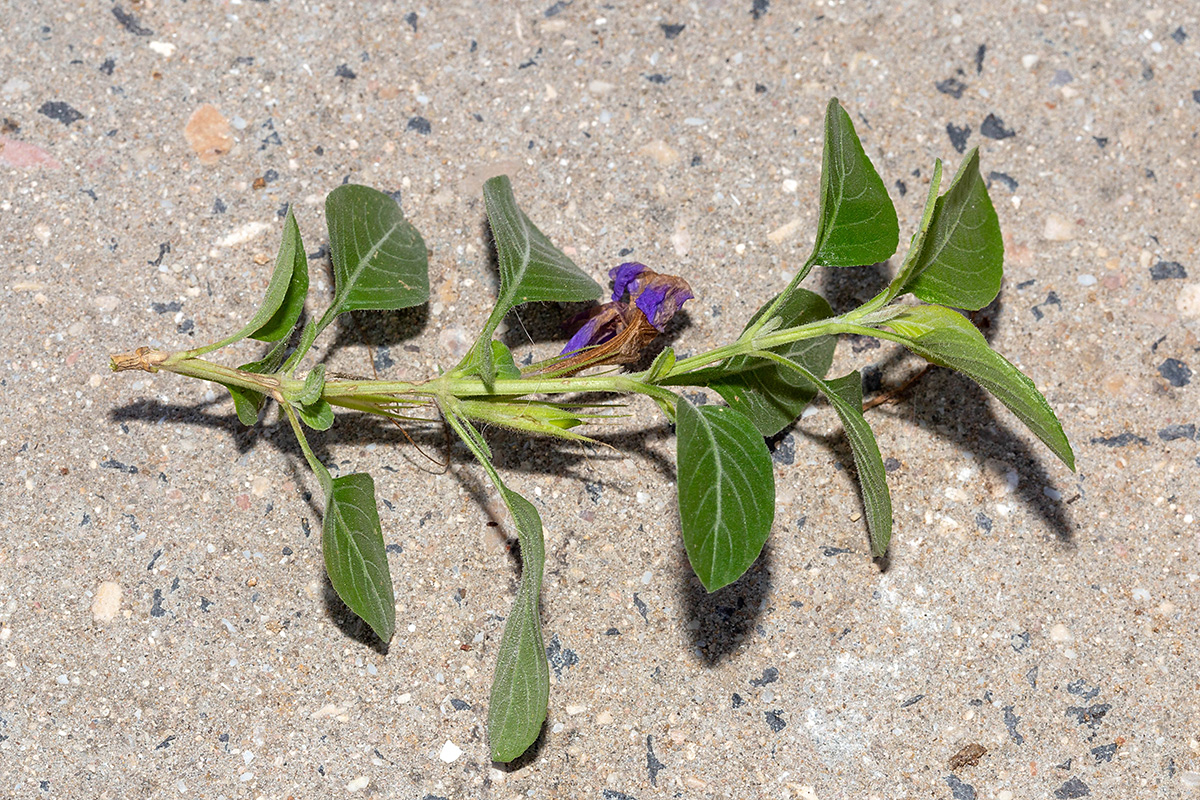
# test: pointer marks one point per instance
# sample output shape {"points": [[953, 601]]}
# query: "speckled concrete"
{"points": [[1048, 617]]}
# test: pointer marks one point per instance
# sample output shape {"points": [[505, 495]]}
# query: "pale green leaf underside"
{"points": [[726, 491], [961, 258], [531, 267], [379, 258], [521, 684], [946, 338], [318, 415], [355, 555], [845, 395], [857, 223], [771, 395]]}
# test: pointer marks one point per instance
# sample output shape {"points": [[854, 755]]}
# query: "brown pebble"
{"points": [[968, 756], [208, 133]]}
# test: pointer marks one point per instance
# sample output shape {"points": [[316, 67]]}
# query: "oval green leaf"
{"points": [[726, 491], [379, 259], [355, 555], [845, 395], [531, 267], [857, 223], [288, 287], [318, 415]]}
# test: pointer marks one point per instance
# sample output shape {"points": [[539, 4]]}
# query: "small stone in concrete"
{"points": [[1058, 229], [107, 602]]}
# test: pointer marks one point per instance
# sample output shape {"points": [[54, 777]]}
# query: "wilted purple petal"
{"points": [[662, 296], [600, 324], [625, 275]]}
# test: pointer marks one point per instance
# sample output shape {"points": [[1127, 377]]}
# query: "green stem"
{"points": [[314, 463]]}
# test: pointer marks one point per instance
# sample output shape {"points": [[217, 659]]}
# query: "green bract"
{"points": [[767, 377]]}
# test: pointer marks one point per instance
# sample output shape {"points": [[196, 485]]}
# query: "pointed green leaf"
{"points": [[318, 415], [531, 267], [960, 260], [845, 395], [355, 556], [911, 258], [726, 491], [857, 222], [289, 283], [772, 395], [284, 300], [948, 339], [521, 684], [379, 258], [247, 402], [314, 384], [663, 363]]}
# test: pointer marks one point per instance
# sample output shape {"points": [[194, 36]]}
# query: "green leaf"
{"points": [[531, 267], [896, 287], [960, 259], [284, 300], [521, 685], [247, 402], [314, 384], [726, 491], [318, 415], [948, 339], [845, 395], [770, 394], [288, 287], [857, 222], [379, 258], [355, 556], [663, 363]]}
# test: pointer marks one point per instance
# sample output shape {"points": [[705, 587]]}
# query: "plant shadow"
{"points": [[718, 622], [347, 621]]}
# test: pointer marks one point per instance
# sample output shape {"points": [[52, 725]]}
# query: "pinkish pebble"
{"points": [[14, 153]]}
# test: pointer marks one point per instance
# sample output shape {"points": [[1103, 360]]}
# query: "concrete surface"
{"points": [[166, 631]]}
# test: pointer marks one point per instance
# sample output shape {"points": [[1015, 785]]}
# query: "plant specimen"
{"points": [[766, 376]]}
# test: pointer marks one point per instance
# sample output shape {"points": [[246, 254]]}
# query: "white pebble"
{"points": [[1058, 229], [1029, 61], [107, 602], [165, 49], [62, 680], [246, 776], [1187, 302], [1060, 633], [1141, 595], [358, 784], [450, 752], [1086, 280], [1189, 780], [790, 185]]}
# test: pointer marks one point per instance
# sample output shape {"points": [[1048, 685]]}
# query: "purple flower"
{"points": [[655, 295]]}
